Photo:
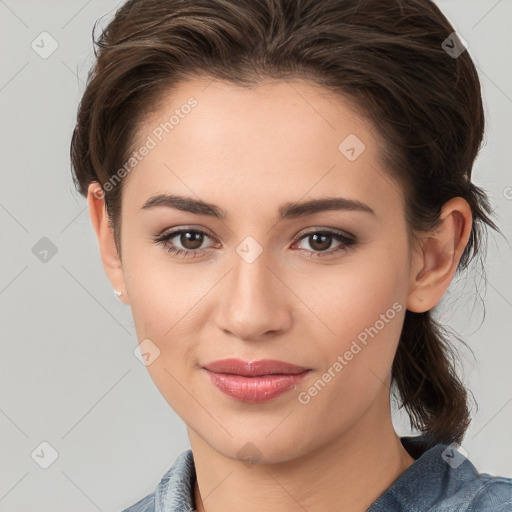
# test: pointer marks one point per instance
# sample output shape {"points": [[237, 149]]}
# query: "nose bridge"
{"points": [[251, 280], [251, 275], [255, 300]]}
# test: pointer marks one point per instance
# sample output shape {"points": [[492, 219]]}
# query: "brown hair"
{"points": [[386, 56]]}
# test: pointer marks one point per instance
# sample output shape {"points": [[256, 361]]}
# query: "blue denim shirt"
{"points": [[440, 480]]}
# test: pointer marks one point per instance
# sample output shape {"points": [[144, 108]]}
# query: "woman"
{"points": [[281, 191]]}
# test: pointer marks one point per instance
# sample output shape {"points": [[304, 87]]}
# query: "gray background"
{"points": [[68, 375]]}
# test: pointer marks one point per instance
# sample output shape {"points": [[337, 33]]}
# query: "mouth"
{"points": [[254, 382], [254, 368]]}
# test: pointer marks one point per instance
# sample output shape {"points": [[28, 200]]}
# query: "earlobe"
{"points": [[434, 266], [105, 235]]}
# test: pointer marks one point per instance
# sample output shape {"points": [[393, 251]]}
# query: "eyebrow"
{"points": [[291, 210]]}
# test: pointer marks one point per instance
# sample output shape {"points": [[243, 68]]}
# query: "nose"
{"points": [[254, 302]]}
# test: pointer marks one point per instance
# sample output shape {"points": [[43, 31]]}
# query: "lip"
{"points": [[254, 368], [255, 381]]}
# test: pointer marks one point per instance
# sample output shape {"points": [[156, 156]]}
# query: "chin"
{"points": [[261, 449]]}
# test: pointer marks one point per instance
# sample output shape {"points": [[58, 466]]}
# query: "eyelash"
{"points": [[347, 242]]}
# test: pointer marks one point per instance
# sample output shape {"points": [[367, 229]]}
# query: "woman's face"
{"points": [[255, 287]]}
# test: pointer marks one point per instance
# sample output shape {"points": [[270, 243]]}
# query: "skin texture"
{"points": [[249, 151]]}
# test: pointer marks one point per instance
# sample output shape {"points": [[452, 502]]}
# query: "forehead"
{"points": [[274, 140], [286, 108]]}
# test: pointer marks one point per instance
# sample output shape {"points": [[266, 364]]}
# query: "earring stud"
{"points": [[118, 292]]}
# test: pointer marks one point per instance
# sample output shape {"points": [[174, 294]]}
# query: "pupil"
{"points": [[326, 242], [191, 241]]}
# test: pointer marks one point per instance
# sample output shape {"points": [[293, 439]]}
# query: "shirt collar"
{"points": [[433, 473], [175, 492]]}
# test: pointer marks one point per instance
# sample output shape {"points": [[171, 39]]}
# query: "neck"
{"points": [[353, 469]]}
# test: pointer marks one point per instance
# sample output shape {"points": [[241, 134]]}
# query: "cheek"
{"points": [[166, 302], [363, 304], [162, 304], [161, 291], [354, 296], [358, 358]]}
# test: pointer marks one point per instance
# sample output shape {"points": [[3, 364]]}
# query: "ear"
{"points": [[435, 264], [105, 235]]}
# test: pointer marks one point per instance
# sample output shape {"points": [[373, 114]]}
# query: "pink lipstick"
{"points": [[254, 381]]}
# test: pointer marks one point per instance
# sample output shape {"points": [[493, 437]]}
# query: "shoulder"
{"points": [[444, 480], [465, 489], [493, 494], [462, 488]]}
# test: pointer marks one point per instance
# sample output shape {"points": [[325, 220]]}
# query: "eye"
{"points": [[321, 240], [190, 239]]}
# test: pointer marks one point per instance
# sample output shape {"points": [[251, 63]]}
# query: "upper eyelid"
{"points": [[327, 230], [176, 231]]}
